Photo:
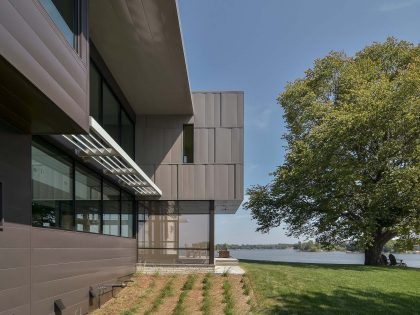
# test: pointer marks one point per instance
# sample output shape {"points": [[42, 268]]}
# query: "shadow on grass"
{"points": [[348, 297], [345, 301], [359, 268]]}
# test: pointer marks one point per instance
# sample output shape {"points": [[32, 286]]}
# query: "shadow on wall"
{"points": [[159, 140]]}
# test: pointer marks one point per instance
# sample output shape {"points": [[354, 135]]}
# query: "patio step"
{"points": [[226, 261]]}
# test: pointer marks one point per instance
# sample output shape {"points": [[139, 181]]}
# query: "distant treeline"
{"points": [[309, 246], [253, 246]]}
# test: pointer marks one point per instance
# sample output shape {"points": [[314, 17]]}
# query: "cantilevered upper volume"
{"points": [[107, 159], [141, 43]]}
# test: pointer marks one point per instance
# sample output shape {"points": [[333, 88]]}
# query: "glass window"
{"points": [[174, 232], [52, 188], [95, 93], [188, 152], [107, 111], [127, 204], [111, 210], [110, 113], [64, 13], [88, 201], [127, 134]]}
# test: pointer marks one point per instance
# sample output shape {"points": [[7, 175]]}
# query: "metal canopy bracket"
{"points": [[101, 148]]}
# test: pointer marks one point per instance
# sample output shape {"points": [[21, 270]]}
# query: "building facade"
{"points": [[107, 159]]}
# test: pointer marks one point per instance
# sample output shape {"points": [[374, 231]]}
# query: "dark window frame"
{"points": [[121, 109], [75, 163], [184, 127], [77, 20], [43, 145]]}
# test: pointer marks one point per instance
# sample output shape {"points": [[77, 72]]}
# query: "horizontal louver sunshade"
{"points": [[99, 146]]}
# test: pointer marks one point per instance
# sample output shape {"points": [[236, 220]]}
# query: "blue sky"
{"points": [[258, 46]]}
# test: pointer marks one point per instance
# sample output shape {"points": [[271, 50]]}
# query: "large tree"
{"points": [[352, 165]]}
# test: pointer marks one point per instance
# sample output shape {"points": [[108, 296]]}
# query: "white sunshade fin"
{"points": [[113, 159]]}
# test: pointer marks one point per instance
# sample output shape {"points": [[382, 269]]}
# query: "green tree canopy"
{"points": [[352, 166]]}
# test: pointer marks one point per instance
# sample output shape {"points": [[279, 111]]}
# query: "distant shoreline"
{"points": [[313, 251]]}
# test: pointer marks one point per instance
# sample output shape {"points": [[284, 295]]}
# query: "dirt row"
{"points": [[146, 290]]}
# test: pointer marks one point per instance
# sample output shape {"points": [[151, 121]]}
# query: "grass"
{"points": [[136, 307], [245, 285], [206, 306], [286, 288], [188, 285], [166, 291], [227, 298]]}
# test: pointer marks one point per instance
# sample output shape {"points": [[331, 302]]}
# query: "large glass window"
{"points": [[88, 201], [52, 188], [110, 113], [174, 232], [127, 205], [127, 134], [74, 197], [106, 109], [65, 15], [111, 210], [188, 141], [95, 93]]}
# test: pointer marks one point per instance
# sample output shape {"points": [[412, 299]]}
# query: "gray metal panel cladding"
{"points": [[217, 171], [65, 264], [38, 265], [34, 46], [223, 145], [15, 175]]}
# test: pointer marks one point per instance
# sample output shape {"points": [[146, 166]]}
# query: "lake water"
{"points": [[291, 255]]}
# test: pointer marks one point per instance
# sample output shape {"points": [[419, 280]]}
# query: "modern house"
{"points": [[107, 159]]}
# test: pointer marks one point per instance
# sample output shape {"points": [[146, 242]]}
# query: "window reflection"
{"points": [[106, 109], [111, 210], [127, 205], [65, 17], [95, 93], [52, 188], [64, 195], [174, 232], [88, 201], [127, 134]]}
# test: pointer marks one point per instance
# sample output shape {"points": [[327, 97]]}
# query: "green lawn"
{"points": [[287, 288]]}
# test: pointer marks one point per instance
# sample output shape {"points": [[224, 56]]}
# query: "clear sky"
{"points": [[258, 46]]}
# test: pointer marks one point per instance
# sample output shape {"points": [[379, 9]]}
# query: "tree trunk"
{"points": [[374, 251]]}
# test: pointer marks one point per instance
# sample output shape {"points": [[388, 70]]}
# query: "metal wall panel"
{"points": [[15, 175], [240, 109], [217, 171], [165, 181], [39, 265], [229, 110], [211, 145], [209, 182], [231, 182], [239, 177], [199, 182], [209, 110], [217, 99], [221, 182], [186, 182], [37, 49], [65, 264], [199, 106], [201, 145], [223, 145]]}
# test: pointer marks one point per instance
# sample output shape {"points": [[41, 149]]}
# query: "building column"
{"points": [[211, 230]]}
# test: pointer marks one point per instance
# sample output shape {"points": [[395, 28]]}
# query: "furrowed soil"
{"points": [[145, 290]]}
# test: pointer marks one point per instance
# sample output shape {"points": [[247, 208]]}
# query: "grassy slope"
{"points": [[333, 289]]}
